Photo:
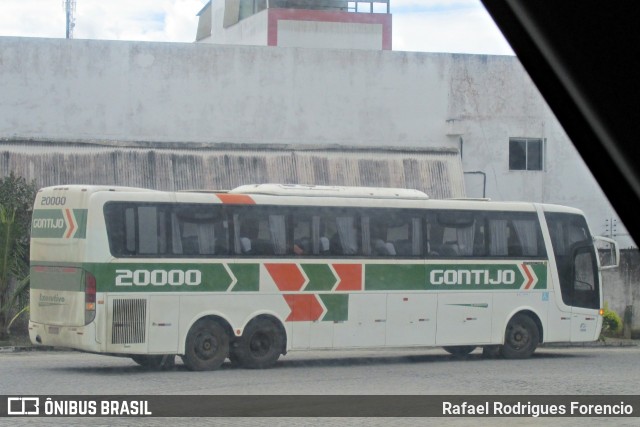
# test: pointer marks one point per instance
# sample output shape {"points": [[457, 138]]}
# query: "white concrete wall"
{"points": [[85, 89], [169, 92]]}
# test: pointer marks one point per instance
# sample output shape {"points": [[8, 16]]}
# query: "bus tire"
{"points": [[260, 345], [459, 350], [155, 362], [521, 338], [207, 346]]}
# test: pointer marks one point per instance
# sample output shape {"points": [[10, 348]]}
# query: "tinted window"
{"points": [[392, 233], [575, 259], [460, 234], [162, 230]]}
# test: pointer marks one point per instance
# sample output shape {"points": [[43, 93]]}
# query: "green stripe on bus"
{"points": [[540, 270], [81, 219], [321, 278], [390, 277], [219, 277], [337, 307], [160, 277], [59, 223], [386, 277], [248, 276]]}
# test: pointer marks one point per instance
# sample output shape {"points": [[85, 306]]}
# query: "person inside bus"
{"points": [[302, 246], [378, 244], [248, 234]]}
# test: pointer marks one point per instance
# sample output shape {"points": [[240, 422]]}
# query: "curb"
{"points": [[19, 349], [593, 344]]}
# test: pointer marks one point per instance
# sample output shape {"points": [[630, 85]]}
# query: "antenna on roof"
{"points": [[70, 10]]}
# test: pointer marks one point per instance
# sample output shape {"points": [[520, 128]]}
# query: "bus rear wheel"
{"points": [[156, 362], [260, 345], [521, 338], [206, 347], [459, 350]]}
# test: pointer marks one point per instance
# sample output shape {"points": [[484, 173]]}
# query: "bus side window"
{"points": [[391, 233], [245, 233], [120, 229], [199, 230], [514, 235], [303, 239], [339, 226]]}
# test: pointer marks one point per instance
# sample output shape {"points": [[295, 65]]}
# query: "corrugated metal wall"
{"points": [[438, 172]]}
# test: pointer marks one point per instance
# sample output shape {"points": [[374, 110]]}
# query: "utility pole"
{"points": [[611, 227], [70, 10]]}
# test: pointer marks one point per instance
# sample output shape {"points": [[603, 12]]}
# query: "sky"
{"points": [[458, 26]]}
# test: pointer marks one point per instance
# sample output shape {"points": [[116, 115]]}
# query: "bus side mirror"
{"points": [[608, 252]]}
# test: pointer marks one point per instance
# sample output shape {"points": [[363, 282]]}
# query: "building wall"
{"points": [[336, 35], [81, 90], [294, 27], [133, 91], [174, 167], [249, 31], [324, 29]]}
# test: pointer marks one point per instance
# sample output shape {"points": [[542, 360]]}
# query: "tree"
{"points": [[16, 202]]}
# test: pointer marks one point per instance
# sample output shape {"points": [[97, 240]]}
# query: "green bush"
{"points": [[611, 322], [16, 202]]}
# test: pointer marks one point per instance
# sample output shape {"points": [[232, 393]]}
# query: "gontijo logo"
{"points": [[59, 223], [470, 277], [517, 276]]}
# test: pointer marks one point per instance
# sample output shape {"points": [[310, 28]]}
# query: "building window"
{"points": [[526, 154]]}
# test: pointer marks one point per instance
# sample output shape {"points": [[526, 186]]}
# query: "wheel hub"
{"points": [[207, 346]]}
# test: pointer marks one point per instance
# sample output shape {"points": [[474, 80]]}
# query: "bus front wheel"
{"points": [[260, 345], [521, 338], [206, 347]]}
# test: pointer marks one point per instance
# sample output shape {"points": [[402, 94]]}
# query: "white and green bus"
{"points": [[252, 273]]}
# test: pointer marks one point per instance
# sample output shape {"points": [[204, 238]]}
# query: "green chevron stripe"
{"points": [[321, 278], [248, 276], [539, 270], [81, 219], [337, 307]]}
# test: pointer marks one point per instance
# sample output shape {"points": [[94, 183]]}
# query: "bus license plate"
{"points": [[54, 330]]}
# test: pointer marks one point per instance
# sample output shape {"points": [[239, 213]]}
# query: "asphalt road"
{"points": [[563, 371]]}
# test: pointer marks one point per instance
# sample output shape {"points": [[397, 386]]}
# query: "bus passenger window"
{"points": [[340, 230]]}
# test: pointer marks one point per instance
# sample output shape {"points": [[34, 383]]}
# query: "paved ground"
{"points": [[565, 371]]}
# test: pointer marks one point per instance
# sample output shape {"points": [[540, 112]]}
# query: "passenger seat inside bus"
{"points": [[325, 246], [382, 248], [449, 249], [403, 247], [245, 245], [190, 245]]}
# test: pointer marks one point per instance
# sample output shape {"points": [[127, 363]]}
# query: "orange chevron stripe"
{"points": [[529, 277], [350, 277], [286, 276], [304, 307], [72, 226]]}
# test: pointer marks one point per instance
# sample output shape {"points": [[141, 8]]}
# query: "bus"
{"points": [[252, 273]]}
